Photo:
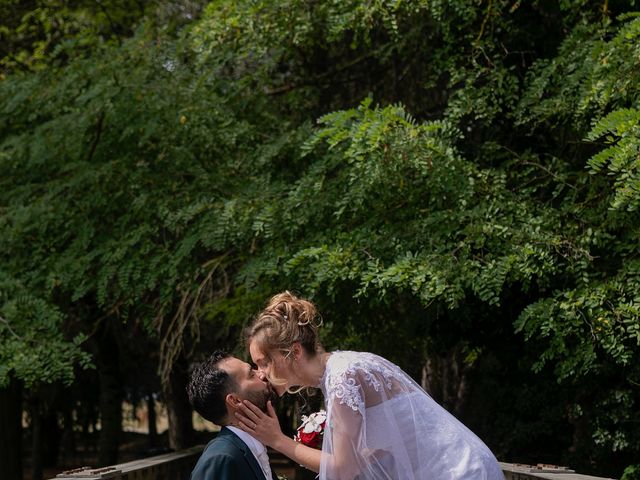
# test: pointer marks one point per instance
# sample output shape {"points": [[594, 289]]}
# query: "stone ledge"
{"points": [[166, 466], [517, 471], [179, 465]]}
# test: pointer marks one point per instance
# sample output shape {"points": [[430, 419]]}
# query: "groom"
{"points": [[216, 388]]}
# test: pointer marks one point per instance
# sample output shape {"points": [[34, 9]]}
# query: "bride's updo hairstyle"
{"points": [[285, 320]]}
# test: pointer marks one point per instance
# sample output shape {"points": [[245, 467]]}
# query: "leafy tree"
{"points": [[34, 353], [39, 32]]}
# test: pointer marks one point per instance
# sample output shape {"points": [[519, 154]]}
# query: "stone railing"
{"points": [[170, 466], [178, 465], [517, 471]]}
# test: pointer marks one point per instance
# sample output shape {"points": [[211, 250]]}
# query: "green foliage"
{"points": [[595, 69], [34, 34], [470, 236], [621, 158], [632, 472], [588, 326], [33, 347]]}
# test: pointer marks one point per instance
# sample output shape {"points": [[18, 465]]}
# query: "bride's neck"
{"points": [[316, 368]]}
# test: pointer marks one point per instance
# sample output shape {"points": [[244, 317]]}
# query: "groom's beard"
{"points": [[260, 399]]}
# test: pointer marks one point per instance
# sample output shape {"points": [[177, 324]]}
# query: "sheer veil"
{"points": [[383, 425]]}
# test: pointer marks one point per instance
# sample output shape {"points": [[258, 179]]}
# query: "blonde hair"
{"points": [[286, 320]]}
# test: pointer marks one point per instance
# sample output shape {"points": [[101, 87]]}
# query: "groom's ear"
{"points": [[232, 400]]}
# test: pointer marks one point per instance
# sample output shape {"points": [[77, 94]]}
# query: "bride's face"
{"points": [[274, 365]]}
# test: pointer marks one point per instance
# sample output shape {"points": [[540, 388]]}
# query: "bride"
{"points": [[380, 423]]}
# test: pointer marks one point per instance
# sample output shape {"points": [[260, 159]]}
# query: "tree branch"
{"points": [[96, 140], [9, 328]]}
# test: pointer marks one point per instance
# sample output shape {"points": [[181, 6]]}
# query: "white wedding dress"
{"points": [[381, 425]]}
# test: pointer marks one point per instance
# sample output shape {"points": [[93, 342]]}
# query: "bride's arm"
{"points": [[347, 447], [353, 453], [266, 428]]}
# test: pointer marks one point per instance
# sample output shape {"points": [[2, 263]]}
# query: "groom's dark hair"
{"points": [[208, 386]]}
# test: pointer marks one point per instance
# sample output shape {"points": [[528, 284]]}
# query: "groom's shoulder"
{"points": [[220, 453], [225, 442]]}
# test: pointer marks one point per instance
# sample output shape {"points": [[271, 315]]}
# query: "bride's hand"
{"points": [[263, 426]]}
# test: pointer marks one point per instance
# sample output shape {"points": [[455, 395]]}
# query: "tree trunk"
{"points": [[110, 399], [51, 436], [36, 441], [68, 441], [89, 422], [178, 407], [445, 379], [151, 419], [11, 431]]}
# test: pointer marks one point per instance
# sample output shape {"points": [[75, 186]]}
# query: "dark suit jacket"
{"points": [[226, 457]]}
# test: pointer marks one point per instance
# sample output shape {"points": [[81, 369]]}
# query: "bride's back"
{"points": [[394, 429]]}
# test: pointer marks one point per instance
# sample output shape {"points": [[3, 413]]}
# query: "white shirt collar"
{"points": [[256, 447]]}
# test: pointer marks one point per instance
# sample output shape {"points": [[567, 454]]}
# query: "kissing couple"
{"points": [[381, 425]]}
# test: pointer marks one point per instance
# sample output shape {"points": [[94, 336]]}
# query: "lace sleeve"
{"points": [[352, 382]]}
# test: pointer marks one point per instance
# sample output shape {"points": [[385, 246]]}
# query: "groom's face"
{"points": [[251, 384]]}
